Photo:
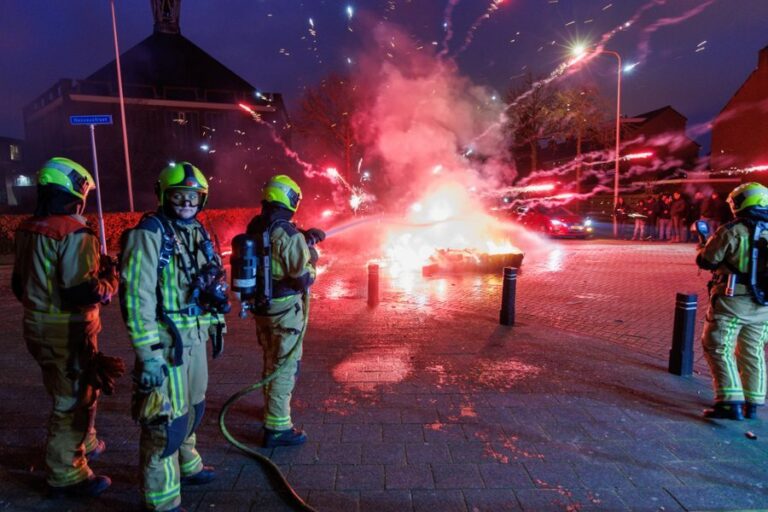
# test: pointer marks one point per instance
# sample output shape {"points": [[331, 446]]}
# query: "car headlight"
{"points": [[588, 222]]}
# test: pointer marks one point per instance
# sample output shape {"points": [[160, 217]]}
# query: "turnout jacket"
{"points": [[728, 252], [145, 295], [293, 271], [55, 271]]}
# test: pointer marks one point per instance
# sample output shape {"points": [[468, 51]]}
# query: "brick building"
{"points": [[740, 131]]}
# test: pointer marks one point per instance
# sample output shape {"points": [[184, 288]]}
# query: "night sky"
{"points": [[694, 64]]}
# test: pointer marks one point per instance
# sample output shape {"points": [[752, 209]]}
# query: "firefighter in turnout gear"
{"points": [[172, 300], [281, 325], [737, 321], [60, 278]]}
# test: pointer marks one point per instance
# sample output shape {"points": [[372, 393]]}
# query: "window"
{"points": [[15, 151]]}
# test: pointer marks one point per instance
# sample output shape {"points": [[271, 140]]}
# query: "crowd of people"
{"points": [[668, 217]]}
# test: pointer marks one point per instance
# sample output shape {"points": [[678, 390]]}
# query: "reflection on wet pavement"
{"points": [[363, 369]]}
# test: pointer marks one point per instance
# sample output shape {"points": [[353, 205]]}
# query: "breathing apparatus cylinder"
{"points": [[244, 262]]}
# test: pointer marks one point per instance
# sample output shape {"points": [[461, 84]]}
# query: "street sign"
{"points": [[95, 119]]}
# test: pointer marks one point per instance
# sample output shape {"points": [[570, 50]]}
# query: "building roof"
{"points": [[647, 116], [171, 60]]}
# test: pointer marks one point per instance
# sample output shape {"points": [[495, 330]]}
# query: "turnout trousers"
{"points": [[169, 416], [734, 339], [63, 347], [278, 335]]}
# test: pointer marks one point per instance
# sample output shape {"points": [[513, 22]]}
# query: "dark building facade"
{"points": [[740, 131], [654, 146], [661, 133], [180, 104]]}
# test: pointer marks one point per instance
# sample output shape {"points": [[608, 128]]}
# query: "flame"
{"points": [[448, 217]]}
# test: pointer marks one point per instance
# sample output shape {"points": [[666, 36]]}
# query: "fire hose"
{"points": [[299, 503]]}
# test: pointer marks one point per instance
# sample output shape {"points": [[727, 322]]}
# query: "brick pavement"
{"points": [[426, 403]]}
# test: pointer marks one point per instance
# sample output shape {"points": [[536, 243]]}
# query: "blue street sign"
{"points": [[98, 119]]}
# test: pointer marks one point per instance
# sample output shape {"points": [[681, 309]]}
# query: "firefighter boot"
{"points": [[88, 488], [202, 477], [94, 454], [750, 411], [725, 411], [288, 437]]}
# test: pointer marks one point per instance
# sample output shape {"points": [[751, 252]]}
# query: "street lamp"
{"points": [[579, 51]]}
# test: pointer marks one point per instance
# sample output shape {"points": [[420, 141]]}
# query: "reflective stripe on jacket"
{"points": [[139, 286]]}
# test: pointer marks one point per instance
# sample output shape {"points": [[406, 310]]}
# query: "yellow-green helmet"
{"points": [[67, 175], [181, 175], [747, 195], [282, 190]]}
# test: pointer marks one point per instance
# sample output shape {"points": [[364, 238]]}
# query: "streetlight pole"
{"points": [[579, 51], [122, 109], [618, 141]]}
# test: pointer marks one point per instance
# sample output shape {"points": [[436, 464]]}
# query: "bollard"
{"points": [[681, 355], [373, 284], [508, 290]]}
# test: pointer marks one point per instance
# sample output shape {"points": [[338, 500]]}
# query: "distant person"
{"points": [[651, 208], [713, 211], [640, 217], [679, 213], [664, 218], [694, 209], [737, 321], [61, 279]]}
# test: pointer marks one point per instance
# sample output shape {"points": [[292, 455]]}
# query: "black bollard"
{"points": [[373, 284], [681, 355], [508, 290]]}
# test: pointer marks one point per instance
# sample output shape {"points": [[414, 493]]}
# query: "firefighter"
{"points": [[60, 278], [737, 323], [171, 306], [280, 328]]}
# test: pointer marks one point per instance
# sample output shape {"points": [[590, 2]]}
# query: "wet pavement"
{"points": [[425, 403]]}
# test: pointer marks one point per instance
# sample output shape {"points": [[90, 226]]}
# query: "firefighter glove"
{"points": [[109, 276], [314, 236], [152, 374], [103, 370], [107, 266], [313, 256]]}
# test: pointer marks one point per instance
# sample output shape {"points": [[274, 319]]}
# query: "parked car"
{"points": [[556, 221]]}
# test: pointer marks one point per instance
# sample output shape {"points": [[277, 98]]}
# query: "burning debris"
{"points": [[467, 260]]}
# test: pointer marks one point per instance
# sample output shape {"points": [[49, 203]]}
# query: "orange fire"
{"points": [[447, 217]]}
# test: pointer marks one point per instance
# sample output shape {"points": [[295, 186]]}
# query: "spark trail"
{"points": [[644, 45], [492, 8], [448, 26]]}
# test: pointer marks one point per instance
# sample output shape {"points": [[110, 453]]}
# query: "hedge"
{"points": [[224, 224]]}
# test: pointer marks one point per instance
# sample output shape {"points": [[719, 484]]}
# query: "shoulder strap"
{"points": [[167, 241]]}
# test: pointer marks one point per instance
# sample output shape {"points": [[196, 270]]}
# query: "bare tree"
{"points": [[325, 120], [530, 116], [580, 115]]}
